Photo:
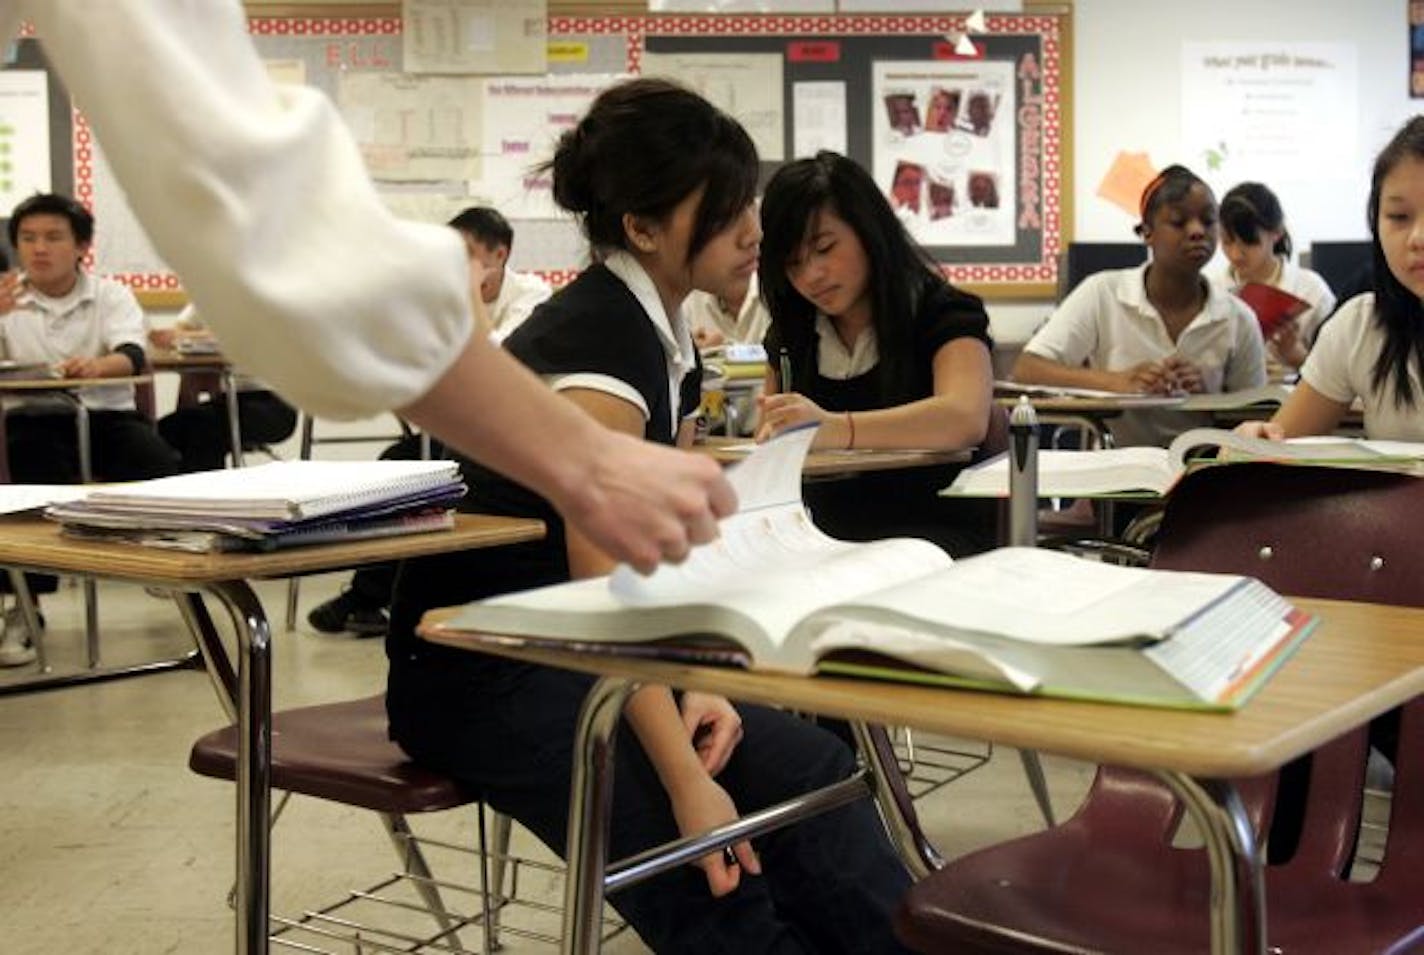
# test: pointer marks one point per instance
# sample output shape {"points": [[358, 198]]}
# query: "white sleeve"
{"points": [[120, 317], [256, 195], [1246, 365], [1070, 336]]}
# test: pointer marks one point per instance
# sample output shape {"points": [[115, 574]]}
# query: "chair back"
{"points": [[1305, 531], [1345, 266], [1082, 259]]}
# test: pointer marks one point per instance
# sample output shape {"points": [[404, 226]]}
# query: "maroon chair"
{"points": [[1109, 879], [341, 752]]}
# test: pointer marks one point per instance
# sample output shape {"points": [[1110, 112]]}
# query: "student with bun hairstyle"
{"points": [[662, 183], [1257, 247], [1159, 328]]}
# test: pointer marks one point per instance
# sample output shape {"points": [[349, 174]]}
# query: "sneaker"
{"points": [[16, 647], [346, 612]]}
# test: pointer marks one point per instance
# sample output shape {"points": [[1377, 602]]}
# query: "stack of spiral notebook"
{"points": [[270, 506]]}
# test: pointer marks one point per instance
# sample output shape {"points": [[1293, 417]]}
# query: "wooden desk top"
{"points": [[36, 544], [1094, 406], [68, 384], [167, 360], [836, 463], [1362, 660]]}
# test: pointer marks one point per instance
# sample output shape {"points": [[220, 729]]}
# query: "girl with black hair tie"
{"points": [[1257, 247]]}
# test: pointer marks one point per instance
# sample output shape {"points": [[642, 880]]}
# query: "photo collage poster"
{"points": [[943, 148]]}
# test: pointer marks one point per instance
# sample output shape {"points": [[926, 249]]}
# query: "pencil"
{"points": [[784, 371]]}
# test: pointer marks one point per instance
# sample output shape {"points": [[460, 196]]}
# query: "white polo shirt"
{"points": [[1108, 323], [95, 318], [519, 293], [1340, 367]]}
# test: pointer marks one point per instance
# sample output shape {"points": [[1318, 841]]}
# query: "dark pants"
{"points": [[372, 585], [829, 884], [201, 434], [506, 729], [44, 449]]}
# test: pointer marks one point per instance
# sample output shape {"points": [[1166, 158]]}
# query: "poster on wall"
{"points": [[1416, 49], [24, 135], [943, 148], [1253, 109], [523, 120]]}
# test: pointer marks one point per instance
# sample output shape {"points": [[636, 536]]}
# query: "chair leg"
{"points": [[413, 860], [292, 604], [1038, 782], [499, 858]]}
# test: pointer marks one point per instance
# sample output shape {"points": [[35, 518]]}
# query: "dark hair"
{"points": [[486, 225], [644, 146], [1397, 310], [901, 272], [1250, 207], [49, 203], [1170, 185]]}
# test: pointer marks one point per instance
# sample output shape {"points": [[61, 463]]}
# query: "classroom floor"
{"points": [[109, 844]]}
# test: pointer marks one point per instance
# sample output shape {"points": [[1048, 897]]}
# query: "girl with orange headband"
{"points": [[1160, 328]]}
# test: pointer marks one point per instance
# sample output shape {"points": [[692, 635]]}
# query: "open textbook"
{"points": [[1147, 471], [773, 592]]}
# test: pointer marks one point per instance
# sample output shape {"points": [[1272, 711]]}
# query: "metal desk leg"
{"points": [[589, 803], [1238, 895], [254, 763], [86, 476], [887, 788], [234, 419]]}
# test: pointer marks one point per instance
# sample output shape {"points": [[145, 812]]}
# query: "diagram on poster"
{"points": [[24, 135], [943, 148]]}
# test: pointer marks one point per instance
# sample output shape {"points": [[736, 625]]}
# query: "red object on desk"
{"points": [[1271, 305]]}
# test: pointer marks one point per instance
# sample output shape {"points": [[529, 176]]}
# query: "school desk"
{"points": [[34, 544], [835, 464], [1362, 660], [213, 364], [68, 392]]}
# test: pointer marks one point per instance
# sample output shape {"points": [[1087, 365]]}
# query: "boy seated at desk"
{"points": [[509, 296], [53, 312], [1160, 328], [198, 427]]}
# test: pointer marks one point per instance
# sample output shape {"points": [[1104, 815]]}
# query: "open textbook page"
{"points": [[1148, 471], [775, 593]]}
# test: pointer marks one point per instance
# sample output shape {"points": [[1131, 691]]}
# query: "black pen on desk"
{"points": [[783, 370]]}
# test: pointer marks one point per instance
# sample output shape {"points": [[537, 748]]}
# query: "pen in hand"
{"points": [[783, 371]]}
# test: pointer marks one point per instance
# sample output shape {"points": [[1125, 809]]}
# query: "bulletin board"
{"points": [[973, 151]]}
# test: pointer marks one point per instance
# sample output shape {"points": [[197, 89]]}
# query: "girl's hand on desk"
{"points": [[713, 726], [1268, 430], [779, 412], [1182, 375], [700, 805]]}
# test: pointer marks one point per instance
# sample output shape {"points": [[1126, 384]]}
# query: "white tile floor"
{"points": [[109, 844]]}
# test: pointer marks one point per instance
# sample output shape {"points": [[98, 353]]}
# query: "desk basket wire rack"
{"points": [[929, 762], [394, 915]]}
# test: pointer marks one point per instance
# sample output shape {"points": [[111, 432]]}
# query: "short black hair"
{"points": [[81, 220], [1249, 207], [486, 225]]}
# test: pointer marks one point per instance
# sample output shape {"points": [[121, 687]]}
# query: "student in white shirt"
{"points": [[1373, 348], [256, 195], [1257, 247], [53, 312], [509, 296], [735, 316], [1160, 328]]}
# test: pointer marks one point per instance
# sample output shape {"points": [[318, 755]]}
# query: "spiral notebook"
{"points": [[280, 490]]}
